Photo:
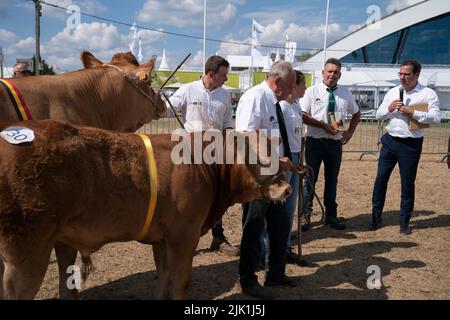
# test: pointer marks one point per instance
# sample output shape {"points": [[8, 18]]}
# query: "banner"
{"points": [[256, 30], [136, 43]]}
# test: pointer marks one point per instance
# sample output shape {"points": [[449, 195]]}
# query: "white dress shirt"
{"points": [[398, 125], [315, 103], [292, 114], [202, 109], [256, 110]]}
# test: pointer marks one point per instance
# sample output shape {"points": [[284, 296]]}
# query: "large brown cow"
{"points": [[86, 187], [113, 95]]}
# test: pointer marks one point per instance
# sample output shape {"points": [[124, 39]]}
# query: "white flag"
{"points": [[136, 43], [290, 48], [256, 30]]}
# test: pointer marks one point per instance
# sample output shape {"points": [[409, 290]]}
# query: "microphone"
{"points": [[401, 90]]}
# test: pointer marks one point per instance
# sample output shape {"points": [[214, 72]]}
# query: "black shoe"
{"points": [[257, 291], [306, 226], [334, 223], [404, 228], [376, 224], [286, 282], [292, 257]]}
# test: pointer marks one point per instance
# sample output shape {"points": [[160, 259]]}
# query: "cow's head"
{"points": [[263, 174], [138, 74]]}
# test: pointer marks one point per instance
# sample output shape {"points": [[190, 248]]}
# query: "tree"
{"points": [[46, 69]]}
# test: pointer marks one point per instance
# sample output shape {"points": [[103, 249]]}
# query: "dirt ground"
{"points": [[412, 267]]}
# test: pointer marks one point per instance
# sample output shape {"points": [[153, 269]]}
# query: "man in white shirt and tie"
{"points": [[205, 105], [259, 108], [401, 144], [322, 103]]}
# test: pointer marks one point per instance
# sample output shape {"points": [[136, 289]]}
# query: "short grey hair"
{"points": [[281, 69]]}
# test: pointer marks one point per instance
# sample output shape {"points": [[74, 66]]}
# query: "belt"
{"points": [[323, 140], [405, 139]]}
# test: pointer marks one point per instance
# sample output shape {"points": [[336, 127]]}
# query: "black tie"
{"points": [[283, 132]]}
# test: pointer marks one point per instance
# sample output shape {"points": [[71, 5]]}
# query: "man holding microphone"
{"points": [[402, 143]]}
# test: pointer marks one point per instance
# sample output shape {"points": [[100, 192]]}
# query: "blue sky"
{"points": [[302, 20]]}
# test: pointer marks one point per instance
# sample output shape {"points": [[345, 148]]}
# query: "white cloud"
{"points": [[189, 13], [64, 48], [396, 5], [234, 49], [7, 37], [197, 60], [22, 49], [86, 6]]}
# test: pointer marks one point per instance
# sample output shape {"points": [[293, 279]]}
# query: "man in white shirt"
{"points": [[205, 105], [402, 144], [259, 108], [322, 103]]}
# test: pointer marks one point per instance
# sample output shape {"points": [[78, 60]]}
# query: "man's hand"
{"points": [[286, 164], [346, 136], [395, 105], [407, 111], [330, 129]]}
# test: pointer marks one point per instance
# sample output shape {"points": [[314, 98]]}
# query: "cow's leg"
{"points": [[66, 257], [179, 263], [162, 272], [22, 280]]}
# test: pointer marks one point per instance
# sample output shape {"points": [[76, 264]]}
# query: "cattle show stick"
{"points": [[174, 71], [174, 111]]}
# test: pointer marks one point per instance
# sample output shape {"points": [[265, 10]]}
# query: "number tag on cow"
{"points": [[17, 135]]}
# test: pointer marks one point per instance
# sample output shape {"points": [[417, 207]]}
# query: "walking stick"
{"points": [[301, 206]]}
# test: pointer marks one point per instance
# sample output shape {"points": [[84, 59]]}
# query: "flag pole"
{"points": [[325, 37], [204, 35]]}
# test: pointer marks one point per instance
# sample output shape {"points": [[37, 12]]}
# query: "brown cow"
{"points": [[86, 187], [115, 95]]}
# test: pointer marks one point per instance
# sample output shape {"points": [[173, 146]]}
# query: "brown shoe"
{"points": [[257, 291], [221, 243], [227, 248]]}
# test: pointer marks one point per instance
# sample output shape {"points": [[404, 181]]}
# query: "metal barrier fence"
{"points": [[365, 140]]}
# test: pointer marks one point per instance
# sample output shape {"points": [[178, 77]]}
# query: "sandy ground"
{"points": [[412, 267]]}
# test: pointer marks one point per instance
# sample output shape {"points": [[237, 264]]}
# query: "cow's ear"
{"points": [[144, 71], [89, 61]]}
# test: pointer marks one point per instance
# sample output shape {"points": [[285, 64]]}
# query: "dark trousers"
{"points": [[258, 214], [217, 231], [330, 152], [405, 151]]}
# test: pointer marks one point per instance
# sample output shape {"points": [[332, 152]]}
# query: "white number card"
{"points": [[17, 135]]}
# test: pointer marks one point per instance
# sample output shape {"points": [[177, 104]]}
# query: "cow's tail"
{"points": [[87, 267]]}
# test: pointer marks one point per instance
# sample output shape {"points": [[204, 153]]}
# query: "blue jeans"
{"points": [[257, 215], [330, 152], [405, 151], [291, 202]]}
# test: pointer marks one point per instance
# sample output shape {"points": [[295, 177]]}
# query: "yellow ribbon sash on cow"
{"points": [[153, 185], [21, 108]]}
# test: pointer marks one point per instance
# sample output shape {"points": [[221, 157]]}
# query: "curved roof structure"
{"points": [[394, 22]]}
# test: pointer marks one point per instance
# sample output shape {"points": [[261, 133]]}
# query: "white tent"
{"points": [[164, 66]]}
